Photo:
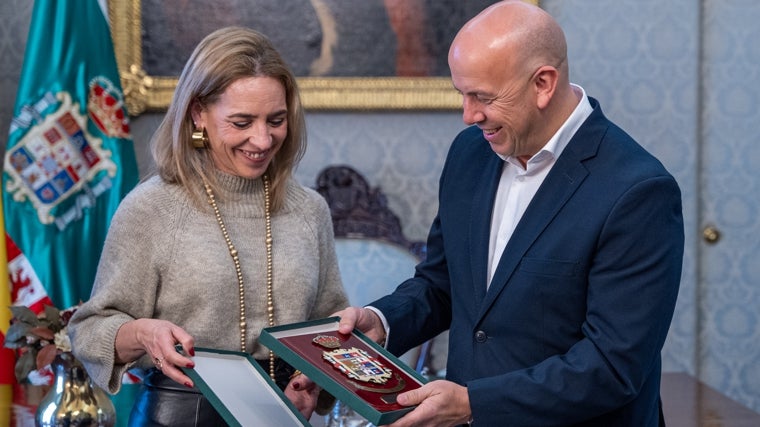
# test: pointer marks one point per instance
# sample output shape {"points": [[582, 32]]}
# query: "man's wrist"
{"points": [[386, 329]]}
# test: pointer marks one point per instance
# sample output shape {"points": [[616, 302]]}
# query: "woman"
{"points": [[219, 244]]}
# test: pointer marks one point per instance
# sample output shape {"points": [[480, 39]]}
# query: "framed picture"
{"points": [[348, 55]]}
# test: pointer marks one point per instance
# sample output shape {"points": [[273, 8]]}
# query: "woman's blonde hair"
{"points": [[221, 58]]}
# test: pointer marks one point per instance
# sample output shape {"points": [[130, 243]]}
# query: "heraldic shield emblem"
{"points": [[55, 159], [358, 364]]}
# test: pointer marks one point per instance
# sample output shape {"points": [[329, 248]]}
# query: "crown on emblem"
{"points": [[327, 341], [106, 108]]}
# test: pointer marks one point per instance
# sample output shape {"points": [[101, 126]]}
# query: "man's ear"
{"points": [[545, 80]]}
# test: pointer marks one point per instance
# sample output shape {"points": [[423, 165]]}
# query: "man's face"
{"points": [[497, 99]]}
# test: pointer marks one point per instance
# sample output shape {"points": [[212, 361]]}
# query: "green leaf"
{"points": [[16, 335], [53, 316], [25, 364], [24, 314]]}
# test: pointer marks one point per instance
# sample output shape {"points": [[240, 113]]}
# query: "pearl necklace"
{"points": [[236, 260]]}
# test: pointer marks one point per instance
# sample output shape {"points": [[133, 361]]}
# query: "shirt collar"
{"points": [[561, 138]]}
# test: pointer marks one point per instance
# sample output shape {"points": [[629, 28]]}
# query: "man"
{"points": [[555, 258]]}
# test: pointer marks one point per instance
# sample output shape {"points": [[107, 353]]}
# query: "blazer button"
{"points": [[481, 336]]}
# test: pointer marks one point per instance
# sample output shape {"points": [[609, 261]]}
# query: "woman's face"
{"points": [[246, 126]]}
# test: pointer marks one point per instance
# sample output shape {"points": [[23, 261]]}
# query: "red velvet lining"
{"points": [[304, 347]]}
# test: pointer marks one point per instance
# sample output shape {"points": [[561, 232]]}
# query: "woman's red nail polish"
{"points": [[192, 352], [190, 365], [296, 386], [188, 385]]}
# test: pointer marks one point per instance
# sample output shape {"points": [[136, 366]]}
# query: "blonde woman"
{"points": [[219, 243]]}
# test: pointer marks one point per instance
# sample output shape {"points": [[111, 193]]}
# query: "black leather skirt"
{"points": [[162, 402]]}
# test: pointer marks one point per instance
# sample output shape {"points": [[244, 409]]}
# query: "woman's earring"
{"points": [[200, 138]]}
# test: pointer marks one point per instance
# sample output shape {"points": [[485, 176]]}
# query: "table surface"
{"points": [[688, 402]]}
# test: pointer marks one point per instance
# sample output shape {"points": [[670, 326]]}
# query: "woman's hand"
{"points": [[158, 339], [303, 392]]}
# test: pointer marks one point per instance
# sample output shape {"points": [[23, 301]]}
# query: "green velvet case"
{"points": [[240, 390]]}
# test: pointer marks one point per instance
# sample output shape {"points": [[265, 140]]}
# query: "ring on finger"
{"points": [[159, 362]]}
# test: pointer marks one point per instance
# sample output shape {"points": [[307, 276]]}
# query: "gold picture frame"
{"points": [[145, 93]]}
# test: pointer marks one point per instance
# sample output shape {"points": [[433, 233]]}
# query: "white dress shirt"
{"points": [[519, 184]]}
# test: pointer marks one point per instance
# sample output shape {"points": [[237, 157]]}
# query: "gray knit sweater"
{"points": [[164, 258]]}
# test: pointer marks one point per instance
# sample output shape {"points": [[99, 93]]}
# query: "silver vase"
{"points": [[74, 400], [343, 416]]}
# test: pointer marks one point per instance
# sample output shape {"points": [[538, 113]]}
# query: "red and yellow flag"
{"points": [[7, 356]]}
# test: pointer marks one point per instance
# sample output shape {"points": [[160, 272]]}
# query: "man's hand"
{"points": [[362, 319], [440, 403]]}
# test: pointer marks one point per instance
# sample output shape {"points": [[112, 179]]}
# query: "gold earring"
{"points": [[200, 138]]}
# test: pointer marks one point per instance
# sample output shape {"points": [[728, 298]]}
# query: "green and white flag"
{"points": [[69, 158]]}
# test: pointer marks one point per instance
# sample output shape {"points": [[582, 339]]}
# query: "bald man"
{"points": [[555, 258]]}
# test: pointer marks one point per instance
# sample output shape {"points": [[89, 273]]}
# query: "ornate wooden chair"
{"points": [[373, 253], [361, 212]]}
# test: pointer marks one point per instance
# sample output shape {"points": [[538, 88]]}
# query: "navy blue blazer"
{"points": [[571, 328]]}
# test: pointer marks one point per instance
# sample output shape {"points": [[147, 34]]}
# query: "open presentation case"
{"points": [[241, 391], [352, 367]]}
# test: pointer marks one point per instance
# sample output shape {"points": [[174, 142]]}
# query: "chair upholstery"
{"points": [[372, 268]]}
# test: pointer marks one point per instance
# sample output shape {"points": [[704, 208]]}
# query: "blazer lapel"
{"points": [[480, 226], [562, 181]]}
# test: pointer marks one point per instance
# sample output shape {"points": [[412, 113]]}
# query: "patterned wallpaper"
{"points": [[729, 272], [677, 75]]}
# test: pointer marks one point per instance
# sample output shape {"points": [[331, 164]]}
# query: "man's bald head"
{"points": [[510, 65], [513, 33]]}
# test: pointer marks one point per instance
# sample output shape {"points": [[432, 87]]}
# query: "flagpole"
{"points": [[7, 356]]}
